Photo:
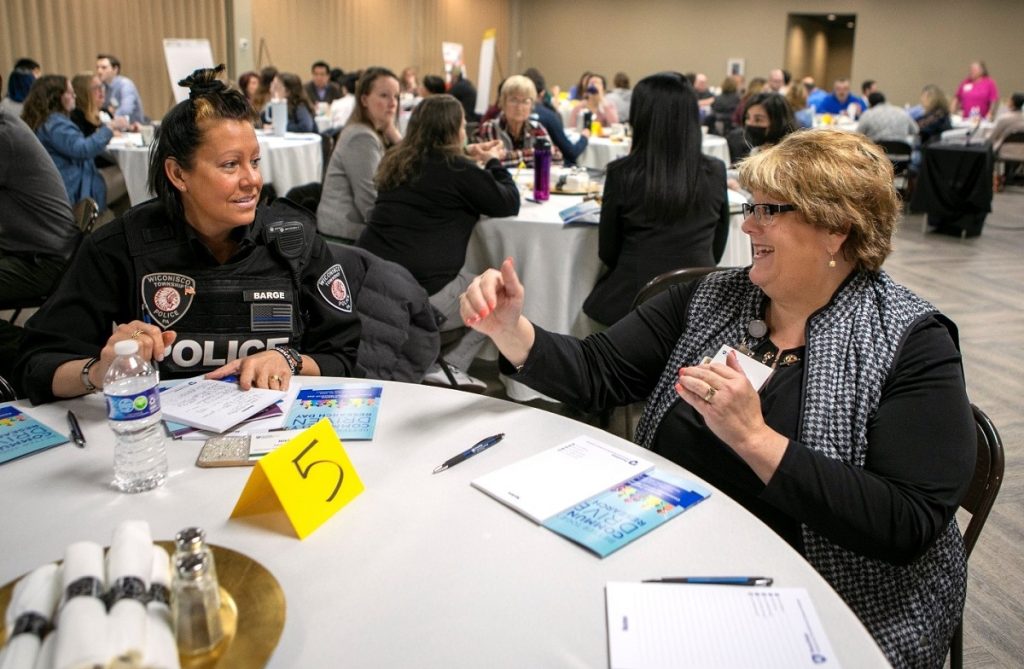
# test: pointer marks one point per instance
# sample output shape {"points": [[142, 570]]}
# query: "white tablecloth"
{"points": [[601, 150], [286, 162], [421, 570]]}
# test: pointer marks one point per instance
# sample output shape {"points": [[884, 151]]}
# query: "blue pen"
{"points": [[715, 580], [478, 447]]}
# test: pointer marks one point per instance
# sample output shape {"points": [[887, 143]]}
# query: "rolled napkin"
{"points": [[82, 622], [28, 617], [129, 565], [47, 653], [161, 648]]}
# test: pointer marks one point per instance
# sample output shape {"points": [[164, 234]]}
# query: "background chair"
{"points": [[981, 495], [7, 393], [899, 153], [1011, 156]]}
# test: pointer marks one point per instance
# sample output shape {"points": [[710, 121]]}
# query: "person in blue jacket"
{"points": [[47, 112], [552, 121]]}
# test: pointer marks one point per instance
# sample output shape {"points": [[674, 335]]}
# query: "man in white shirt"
{"points": [[120, 96]]}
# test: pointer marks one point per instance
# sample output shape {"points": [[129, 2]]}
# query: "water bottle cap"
{"points": [[126, 347]]}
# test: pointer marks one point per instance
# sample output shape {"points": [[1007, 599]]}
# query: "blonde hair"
{"points": [[82, 85], [840, 182], [517, 84]]}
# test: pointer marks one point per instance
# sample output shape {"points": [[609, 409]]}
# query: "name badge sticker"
{"points": [[757, 372]]}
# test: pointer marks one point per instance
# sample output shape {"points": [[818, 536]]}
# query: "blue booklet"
{"points": [[21, 435], [609, 520], [351, 409]]}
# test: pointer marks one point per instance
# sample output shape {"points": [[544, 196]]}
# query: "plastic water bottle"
{"points": [[133, 410], [541, 169]]}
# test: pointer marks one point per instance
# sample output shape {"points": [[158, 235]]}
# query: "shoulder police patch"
{"points": [[333, 287], [166, 297]]}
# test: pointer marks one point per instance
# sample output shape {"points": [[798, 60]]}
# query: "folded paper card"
{"points": [[21, 434], [352, 409]]}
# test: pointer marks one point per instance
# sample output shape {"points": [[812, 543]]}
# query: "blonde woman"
{"points": [[513, 125]]}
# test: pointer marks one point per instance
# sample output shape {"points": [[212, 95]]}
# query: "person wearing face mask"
{"points": [[767, 119], [602, 109]]}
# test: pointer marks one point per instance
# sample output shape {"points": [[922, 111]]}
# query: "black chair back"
{"points": [[671, 278]]}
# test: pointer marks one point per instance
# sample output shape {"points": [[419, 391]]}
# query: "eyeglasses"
{"points": [[526, 102], [765, 213]]}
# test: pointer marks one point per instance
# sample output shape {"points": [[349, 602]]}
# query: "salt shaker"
{"points": [[192, 540], [195, 605]]}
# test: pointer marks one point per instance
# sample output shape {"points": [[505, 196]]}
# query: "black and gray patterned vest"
{"points": [[852, 343]]}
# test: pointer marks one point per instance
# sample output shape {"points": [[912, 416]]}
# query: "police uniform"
{"points": [[282, 286]]}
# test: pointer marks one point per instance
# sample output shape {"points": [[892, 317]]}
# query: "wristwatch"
{"points": [[89, 386]]}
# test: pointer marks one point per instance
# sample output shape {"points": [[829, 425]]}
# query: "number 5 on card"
{"points": [[308, 478]]}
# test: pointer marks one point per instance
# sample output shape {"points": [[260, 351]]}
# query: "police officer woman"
{"points": [[204, 279]]}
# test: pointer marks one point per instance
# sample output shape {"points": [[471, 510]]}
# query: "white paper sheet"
{"points": [[553, 480], [654, 625], [214, 405]]}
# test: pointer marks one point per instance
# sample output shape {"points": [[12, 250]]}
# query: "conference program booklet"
{"points": [[351, 409], [609, 520], [21, 434]]}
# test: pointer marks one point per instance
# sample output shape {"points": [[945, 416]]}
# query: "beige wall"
{"points": [[65, 36], [353, 34], [903, 45]]}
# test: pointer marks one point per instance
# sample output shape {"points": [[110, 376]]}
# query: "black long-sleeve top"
{"points": [[921, 439], [425, 223], [636, 248]]}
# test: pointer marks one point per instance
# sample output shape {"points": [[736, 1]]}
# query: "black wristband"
{"points": [[293, 357]]}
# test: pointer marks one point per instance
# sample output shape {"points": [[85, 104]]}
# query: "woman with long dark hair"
{"points": [[288, 87], [665, 204], [431, 194]]}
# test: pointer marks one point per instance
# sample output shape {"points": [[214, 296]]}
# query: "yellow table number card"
{"points": [[309, 478]]}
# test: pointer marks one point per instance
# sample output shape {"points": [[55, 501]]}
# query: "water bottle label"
{"points": [[133, 407]]}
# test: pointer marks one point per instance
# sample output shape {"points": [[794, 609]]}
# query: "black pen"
{"points": [[478, 447], [715, 580], [76, 431]]}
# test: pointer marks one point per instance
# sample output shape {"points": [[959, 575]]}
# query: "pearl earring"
{"points": [[832, 260]]}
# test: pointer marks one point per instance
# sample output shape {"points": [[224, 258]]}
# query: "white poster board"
{"points": [[483, 86], [184, 56]]}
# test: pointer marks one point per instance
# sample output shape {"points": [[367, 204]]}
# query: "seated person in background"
{"points": [[796, 96], [620, 95], [301, 113], [719, 120], [320, 88], [860, 446], [756, 86], [704, 96], [348, 191], [249, 84], [513, 125], [185, 260], [464, 91], [767, 120], [341, 109], [936, 119], [37, 230], [1009, 153], [867, 87], [432, 85], [431, 195], [47, 111], [86, 115], [20, 81], [120, 96], [409, 87], [549, 117], [886, 122], [579, 91], [261, 99], [665, 204], [814, 94], [602, 110], [839, 101]]}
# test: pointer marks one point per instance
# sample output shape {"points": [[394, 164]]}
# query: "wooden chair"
{"points": [[85, 213], [981, 495]]}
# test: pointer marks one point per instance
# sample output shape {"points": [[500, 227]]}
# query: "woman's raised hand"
{"points": [[493, 302]]}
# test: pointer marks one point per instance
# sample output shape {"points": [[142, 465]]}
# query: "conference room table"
{"points": [[420, 570], [286, 162], [558, 263], [602, 150]]}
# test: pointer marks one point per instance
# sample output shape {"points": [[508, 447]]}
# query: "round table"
{"points": [[421, 570], [286, 162], [602, 150]]}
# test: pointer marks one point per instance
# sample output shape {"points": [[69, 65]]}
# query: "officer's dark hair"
{"points": [[180, 132]]}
